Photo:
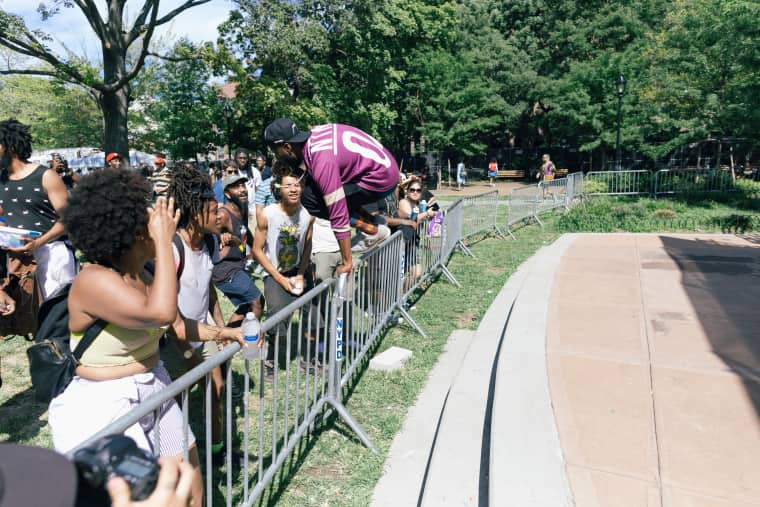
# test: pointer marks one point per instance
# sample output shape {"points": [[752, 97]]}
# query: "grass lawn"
{"points": [[331, 467]]}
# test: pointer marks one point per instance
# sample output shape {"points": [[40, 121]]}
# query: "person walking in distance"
{"points": [[493, 171], [461, 175], [548, 170], [342, 169]]}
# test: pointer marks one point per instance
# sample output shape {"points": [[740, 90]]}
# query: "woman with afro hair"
{"points": [[109, 221]]}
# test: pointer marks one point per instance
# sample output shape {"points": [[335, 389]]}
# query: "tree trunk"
{"points": [[115, 107], [115, 104]]}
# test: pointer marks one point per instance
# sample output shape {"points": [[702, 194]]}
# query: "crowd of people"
{"points": [[156, 245]]}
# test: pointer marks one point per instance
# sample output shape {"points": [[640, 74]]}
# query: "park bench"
{"points": [[511, 173]]}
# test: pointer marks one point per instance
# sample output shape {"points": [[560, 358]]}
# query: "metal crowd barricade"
{"points": [[522, 205], [574, 188], [637, 182], [305, 374], [685, 181], [371, 299], [480, 214], [453, 218], [552, 195]]}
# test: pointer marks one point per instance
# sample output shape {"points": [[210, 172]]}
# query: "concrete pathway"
{"points": [[653, 354]]}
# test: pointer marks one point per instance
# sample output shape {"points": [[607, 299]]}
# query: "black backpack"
{"points": [[51, 361], [208, 239]]}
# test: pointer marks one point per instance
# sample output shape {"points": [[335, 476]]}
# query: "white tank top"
{"points": [[286, 236], [193, 297]]}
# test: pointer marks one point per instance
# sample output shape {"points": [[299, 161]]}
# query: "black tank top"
{"points": [[25, 203], [235, 259]]}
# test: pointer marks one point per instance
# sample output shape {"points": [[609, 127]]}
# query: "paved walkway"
{"points": [[653, 354]]}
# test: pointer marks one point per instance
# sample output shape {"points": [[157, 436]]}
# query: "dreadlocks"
{"points": [[16, 141], [191, 190]]}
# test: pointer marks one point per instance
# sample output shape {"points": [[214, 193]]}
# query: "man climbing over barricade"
{"points": [[342, 169]]}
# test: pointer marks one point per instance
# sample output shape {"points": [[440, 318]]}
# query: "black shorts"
{"points": [[313, 199]]}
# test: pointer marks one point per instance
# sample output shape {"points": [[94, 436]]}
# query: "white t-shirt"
{"points": [[252, 185], [286, 236], [323, 237]]}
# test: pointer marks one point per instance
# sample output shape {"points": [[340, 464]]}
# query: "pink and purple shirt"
{"points": [[337, 154]]}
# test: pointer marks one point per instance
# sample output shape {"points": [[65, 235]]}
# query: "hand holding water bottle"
{"points": [[251, 336]]}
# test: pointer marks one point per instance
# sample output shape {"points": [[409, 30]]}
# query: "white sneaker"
{"points": [[362, 242]]}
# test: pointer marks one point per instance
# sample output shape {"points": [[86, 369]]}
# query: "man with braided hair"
{"points": [[32, 197], [195, 251]]}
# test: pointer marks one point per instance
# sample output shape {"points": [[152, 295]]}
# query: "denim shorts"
{"points": [[239, 288]]}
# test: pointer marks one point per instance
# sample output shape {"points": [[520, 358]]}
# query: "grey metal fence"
{"points": [[574, 188], [685, 181], [322, 338], [617, 183], [480, 214], [522, 206], [552, 194]]}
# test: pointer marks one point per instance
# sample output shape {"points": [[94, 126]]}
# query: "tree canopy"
{"points": [[469, 78]]}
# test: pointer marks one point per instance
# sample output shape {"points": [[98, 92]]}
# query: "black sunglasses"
{"points": [[415, 190]]}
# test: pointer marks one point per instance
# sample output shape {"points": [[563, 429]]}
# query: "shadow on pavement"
{"points": [[722, 282]]}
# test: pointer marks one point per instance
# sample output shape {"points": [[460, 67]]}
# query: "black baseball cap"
{"points": [[284, 130], [36, 476]]}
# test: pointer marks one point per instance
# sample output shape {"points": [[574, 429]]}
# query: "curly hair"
{"points": [[283, 169], [105, 212], [16, 138], [191, 190]]}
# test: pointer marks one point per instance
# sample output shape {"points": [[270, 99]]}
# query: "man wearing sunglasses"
{"points": [[344, 170]]}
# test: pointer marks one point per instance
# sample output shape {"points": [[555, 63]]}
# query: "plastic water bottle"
{"points": [[251, 332], [415, 212], [11, 237], [423, 206]]}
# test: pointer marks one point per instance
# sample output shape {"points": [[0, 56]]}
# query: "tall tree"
{"points": [[185, 105], [112, 88]]}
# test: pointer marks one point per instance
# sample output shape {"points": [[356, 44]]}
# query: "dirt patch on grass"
{"points": [[466, 318]]}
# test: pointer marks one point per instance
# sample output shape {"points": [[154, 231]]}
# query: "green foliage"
{"points": [[61, 115], [633, 214], [185, 105]]}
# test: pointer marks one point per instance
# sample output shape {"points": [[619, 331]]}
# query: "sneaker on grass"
{"points": [[363, 242]]}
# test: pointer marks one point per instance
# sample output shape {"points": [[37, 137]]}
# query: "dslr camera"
{"points": [[116, 456]]}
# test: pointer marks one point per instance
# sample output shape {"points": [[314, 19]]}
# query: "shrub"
{"points": [[664, 214]]}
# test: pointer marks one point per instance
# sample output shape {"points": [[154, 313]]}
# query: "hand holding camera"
{"points": [[172, 489]]}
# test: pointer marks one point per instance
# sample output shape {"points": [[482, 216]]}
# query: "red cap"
{"points": [[159, 160], [112, 156]]}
